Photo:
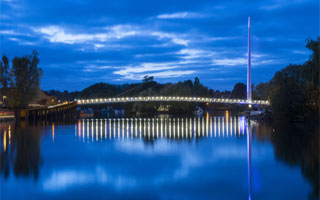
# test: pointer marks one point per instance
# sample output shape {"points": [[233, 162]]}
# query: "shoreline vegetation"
{"points": [[293, 92]]}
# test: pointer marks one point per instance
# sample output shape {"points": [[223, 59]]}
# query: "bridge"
{"points": [[169, 99], [53, 112]]}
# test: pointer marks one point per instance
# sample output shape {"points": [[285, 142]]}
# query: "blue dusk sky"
{"points": [[82, 42]]}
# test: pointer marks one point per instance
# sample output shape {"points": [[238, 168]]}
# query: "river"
{"points": [[211, 157]]}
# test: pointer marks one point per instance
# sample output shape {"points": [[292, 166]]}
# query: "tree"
{"points": [[287, 95], [311, 68], [261, 91], [4, 71], [147, 78], [239, 91], [294, 91], [25, 80], [196, 82], [217, 94]]}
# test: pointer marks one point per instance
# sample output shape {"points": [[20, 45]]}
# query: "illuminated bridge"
{"points": [[169, 99]]}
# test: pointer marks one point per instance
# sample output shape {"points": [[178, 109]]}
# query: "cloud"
{"points": [[175, 38], [12, 32], [229, 61], [58, 34], [190, 54], [21, 41], [158, 70], [171, 73], [256, 60], [181, 15], [121, 31], [8, 32], [271, 7], [276, 4], [145, 67], [300, 52], [95, 68]]}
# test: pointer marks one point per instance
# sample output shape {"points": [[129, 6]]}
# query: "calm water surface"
{"points": [[216, 157]]}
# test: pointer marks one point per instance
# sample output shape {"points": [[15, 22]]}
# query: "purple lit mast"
{"points": [[249, 98]]}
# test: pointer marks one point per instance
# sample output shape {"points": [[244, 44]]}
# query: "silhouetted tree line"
{"points": [[152, 88], [294, 91], [149, 87]]}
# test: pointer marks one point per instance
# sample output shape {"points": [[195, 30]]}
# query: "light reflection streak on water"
{"points": [[118, 125], [227, 123], [105, 129], [231, 124], [9, 134], [153, 128], [202, 125], [174, 128], [211, 126], [219, 126], [198, 132], [136, 127], [222, 119], [169, 126], [242, 124], [101, 132], [131, 128], [144, 127], [178, 127], [82, 128], [95, 122], [161, 127], [140, 128], [5, 141], [52, 129], [190, 128], [235, 126], [239, 125]]}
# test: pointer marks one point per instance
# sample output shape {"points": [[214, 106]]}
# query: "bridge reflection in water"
{"points": [[155, 128]]}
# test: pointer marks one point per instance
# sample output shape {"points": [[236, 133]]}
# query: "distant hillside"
{"points": [[148, 88], [152, 88]]}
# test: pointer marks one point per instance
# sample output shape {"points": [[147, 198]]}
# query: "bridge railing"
{"points": [[168, 99]]}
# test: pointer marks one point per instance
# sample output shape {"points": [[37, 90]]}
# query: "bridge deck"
{"points": [[169, 99]]}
